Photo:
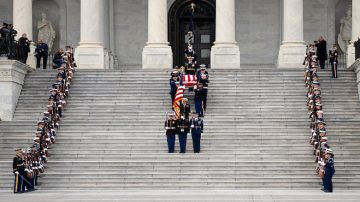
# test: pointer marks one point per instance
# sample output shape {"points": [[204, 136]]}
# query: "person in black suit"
{"points": [[42, 51], [321, 51], [24, 44]]}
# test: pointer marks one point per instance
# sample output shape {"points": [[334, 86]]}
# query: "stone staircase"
{"points": [[256, 132]]}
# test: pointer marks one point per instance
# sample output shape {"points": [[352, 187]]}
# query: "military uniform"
{"points": [[329, 172], [185, 109], [333, 55], [197, 127], [183, 130], [19, 172], [173, 89], [199, 97], [171, 130]]}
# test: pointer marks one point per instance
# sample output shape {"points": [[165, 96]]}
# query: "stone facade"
{"points": [[258, 25]]}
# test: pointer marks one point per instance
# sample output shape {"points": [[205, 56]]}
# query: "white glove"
{"points": [[16, 172]]}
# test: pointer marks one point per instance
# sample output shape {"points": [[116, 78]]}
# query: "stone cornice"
{"points": [[13, 71]]}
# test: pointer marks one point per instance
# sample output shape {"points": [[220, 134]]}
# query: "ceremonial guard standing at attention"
{"points": [[19, 172], [333, 55], [184, 128], [171, 130], [197, 127], [329, 171], [199, 98], [173, 88]]}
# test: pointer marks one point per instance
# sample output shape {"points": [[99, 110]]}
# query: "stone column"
{"points": [[90, 52], [12, 74], [355, 32], [157, 52], [22, 20], [293, 49], [225, 54]]}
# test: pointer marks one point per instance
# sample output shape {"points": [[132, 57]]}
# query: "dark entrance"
{"points": [[204, 29]]}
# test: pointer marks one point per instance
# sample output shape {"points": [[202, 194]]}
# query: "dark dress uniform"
{"points": [[183, 130], [199, 98], [197, 128], [19, 172], [329, 173], [171, 130], [333, 55], [173, 89]]}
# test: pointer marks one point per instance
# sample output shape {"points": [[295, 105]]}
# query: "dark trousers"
{"points": [[182, 141], [334, 69], [199, 108], [171, 142], [38, 59], [327, 181], [322, 63], [19, 186], [196, 137], [23, 56]]}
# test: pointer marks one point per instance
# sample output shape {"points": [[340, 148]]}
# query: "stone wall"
{"points": [[130, 30], [258, 25]]}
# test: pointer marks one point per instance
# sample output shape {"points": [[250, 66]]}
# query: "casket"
{"points": [[189, 80]]}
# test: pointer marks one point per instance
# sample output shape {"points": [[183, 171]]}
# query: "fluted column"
{"points": [[355, 32], [157, 52], [90, 52], [293, 48], [225, 53]]}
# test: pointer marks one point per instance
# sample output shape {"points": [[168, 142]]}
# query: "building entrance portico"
{"points": [[203, 29]]}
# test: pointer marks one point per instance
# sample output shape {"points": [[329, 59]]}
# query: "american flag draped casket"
{"points": [[189, 80]]}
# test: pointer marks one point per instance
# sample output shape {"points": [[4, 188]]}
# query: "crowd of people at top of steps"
{"points": [[324, 156], [29, 163], [180, 121]]}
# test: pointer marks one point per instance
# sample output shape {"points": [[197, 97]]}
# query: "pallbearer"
{"points": [[197, 127], [171, 130], [19, 172], [183, 130], [333, 54]]}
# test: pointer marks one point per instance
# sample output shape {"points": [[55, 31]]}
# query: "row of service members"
{"points": [[28, 165], [182, 127], [324, 155]]}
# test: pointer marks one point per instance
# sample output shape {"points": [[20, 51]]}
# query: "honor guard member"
{"points": [[185, 108], [197, 127], [201, 71], [199, 98], [183, 130], [329, 171], [19, 172], [171, 130], [173, 89], [333, 55]]}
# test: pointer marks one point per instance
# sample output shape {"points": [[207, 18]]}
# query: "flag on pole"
{"points": [[178, 98]]}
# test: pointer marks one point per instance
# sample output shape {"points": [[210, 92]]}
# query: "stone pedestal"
{"points": [[293, 49], [291, 55], [225, 57], [225, 54], [157, 52], [90, 57], [12, 74]]}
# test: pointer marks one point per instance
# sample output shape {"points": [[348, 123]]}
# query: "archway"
{"points": [[204, 29]]}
